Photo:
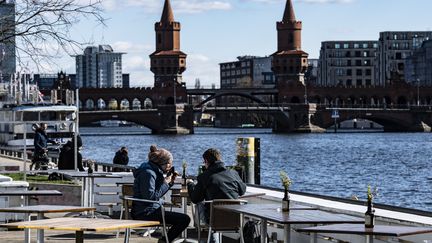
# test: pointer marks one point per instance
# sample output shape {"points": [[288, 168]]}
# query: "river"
{"points": [[341, 164]]}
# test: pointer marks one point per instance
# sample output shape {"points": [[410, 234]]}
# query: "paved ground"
{"points": [[65, 237]]}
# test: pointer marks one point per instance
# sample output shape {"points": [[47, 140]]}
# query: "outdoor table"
{"points": [[27, 194], [30, 193], [359, 229], [184, 194], [41, 210], [252, 194], [79, 225], [296, 215], [87, 199]]}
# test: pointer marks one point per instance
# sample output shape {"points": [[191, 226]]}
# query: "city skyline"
{"points": [[219, 31]]}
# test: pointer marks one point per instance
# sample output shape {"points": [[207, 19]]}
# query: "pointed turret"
{"points": [[289, 15], [168, 62], [289, 61], [167, 13]]}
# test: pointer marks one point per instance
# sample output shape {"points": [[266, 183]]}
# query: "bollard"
{"points": [[248, 158]]}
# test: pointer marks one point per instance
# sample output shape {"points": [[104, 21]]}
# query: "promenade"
{"points": [[67, 236]]}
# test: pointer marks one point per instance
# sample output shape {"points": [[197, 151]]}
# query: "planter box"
{"points": [[71, 195]]}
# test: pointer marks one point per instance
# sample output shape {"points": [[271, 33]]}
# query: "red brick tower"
{"points": [[289, 62], [167, 62]]}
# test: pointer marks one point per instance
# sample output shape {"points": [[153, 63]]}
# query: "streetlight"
{"points": [[305, 94], [418, 92]]}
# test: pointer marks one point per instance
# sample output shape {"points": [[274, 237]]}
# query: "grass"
{"points": [[37, 178]]}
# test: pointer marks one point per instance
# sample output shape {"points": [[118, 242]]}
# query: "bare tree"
{"points": [[41, 29]]}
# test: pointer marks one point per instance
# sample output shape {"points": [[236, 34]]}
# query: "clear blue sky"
{"points": [[215, 31]]}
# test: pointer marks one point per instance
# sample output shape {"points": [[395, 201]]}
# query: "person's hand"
{"points": [[168, 179]]}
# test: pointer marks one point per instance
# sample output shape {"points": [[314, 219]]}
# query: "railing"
{"points": [[108, 167]]}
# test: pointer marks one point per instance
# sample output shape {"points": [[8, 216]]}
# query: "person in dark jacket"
{"points": [[121, 158], [40, 142], [66, 157], [216, 182], [151, 184]]}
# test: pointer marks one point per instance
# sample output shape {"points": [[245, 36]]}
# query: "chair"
{"points": [[127, 199], [221, 220]]}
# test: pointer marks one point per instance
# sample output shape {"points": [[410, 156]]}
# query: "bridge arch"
{"points": [[89, 104], [248, 96], [101, 104], [148, 103], [136, 104]]}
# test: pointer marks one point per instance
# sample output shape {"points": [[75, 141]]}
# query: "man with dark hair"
{"points": [[216, 182]]}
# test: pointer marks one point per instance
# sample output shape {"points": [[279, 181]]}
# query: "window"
{"points": [[395, 37], [359, 82], [349, 63], [368, 72], [348, 82], [337, 46], [368, 82], [358, 53], [359, 72], [365, 54], [349, 72], [345, 46], [339, 72], [356, 45], [358, 63], [366, 63], [375, 45], [365, 45]]}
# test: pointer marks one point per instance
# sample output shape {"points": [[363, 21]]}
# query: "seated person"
{"points": [[216, 182], [121, 158], [151, 184], [66, 158]]}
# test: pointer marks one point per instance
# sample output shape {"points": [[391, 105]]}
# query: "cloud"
{"points": [[202, 67], [180, 6]]}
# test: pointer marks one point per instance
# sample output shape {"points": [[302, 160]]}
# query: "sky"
{"points": [[215, 31]]}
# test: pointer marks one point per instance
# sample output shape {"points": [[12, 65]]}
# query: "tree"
{"points": [[40, 30]]}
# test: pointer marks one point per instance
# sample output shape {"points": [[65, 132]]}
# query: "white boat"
{"points": [[17, 122]]}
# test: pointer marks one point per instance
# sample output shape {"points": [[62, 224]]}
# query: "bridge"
{"points": [[291, 108]]}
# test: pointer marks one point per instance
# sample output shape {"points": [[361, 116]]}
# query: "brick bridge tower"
{"points": [[168, 63], [289, 66], [289, 61]]}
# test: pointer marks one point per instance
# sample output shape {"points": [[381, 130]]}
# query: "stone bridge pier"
{"points": [[296, 119]]}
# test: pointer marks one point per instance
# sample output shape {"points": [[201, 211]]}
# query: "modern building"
{"points": [[99, 67], [347, 63], [394, 48], [311, 74], [7, 40], [247, 72], [418, 66]]}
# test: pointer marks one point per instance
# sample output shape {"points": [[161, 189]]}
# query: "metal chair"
{"points": [[127, 199], [221, 220]]}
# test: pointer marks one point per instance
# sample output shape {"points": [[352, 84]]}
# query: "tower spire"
{"points": [[167, 14], [289, 14]]}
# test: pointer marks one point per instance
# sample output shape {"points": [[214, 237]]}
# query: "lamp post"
{"points": [[305, 93], [418, 92]]}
